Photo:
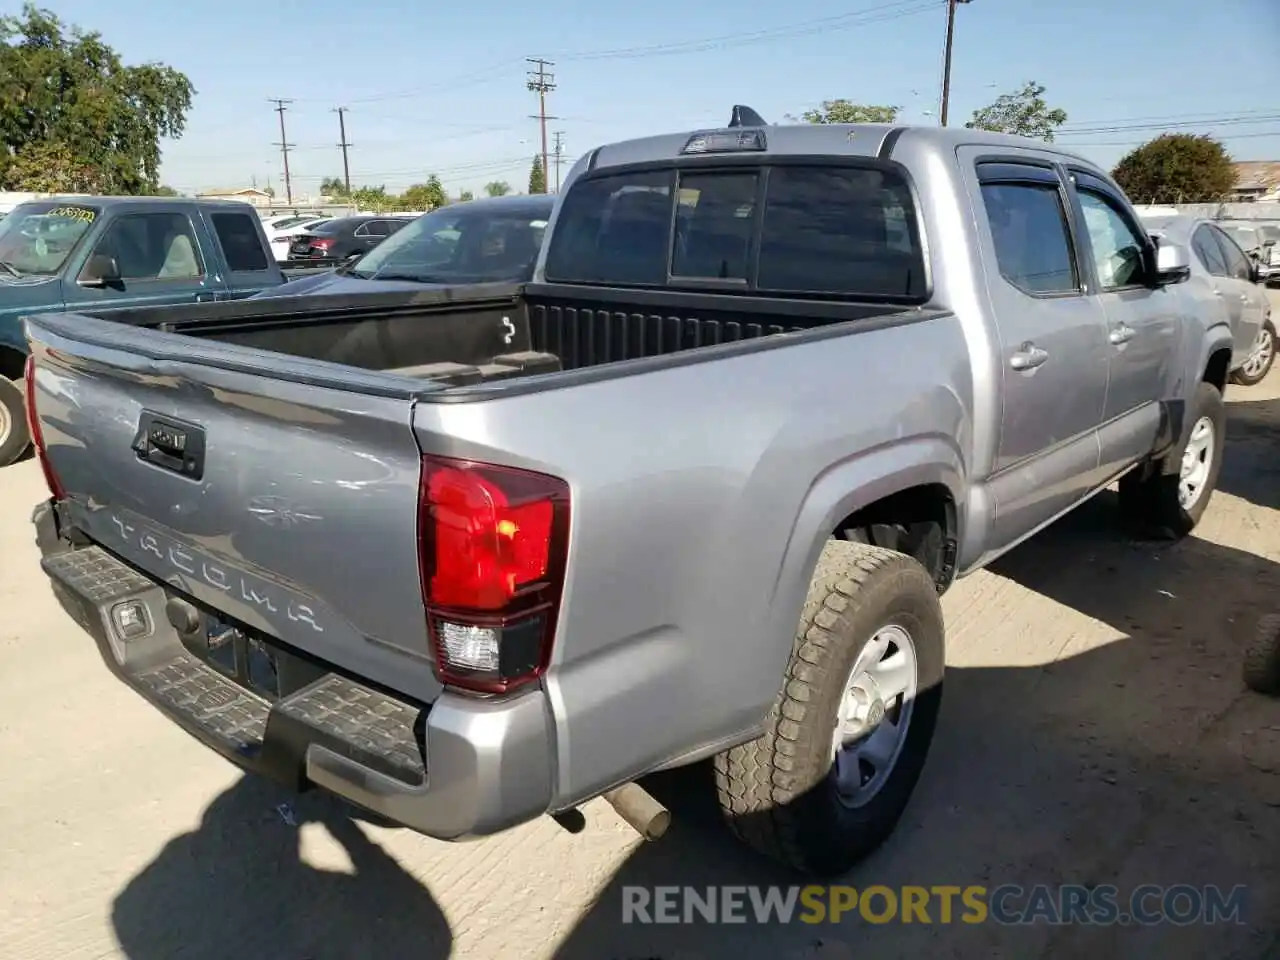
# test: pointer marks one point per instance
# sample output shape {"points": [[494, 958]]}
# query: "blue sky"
{"points": [[442, 89]]}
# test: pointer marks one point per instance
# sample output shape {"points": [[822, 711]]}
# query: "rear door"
{"points": [[1143, 322], [248, 266], [1053, 346], [1208, 251], [1246, 300], [161, 256], [369, 235]]}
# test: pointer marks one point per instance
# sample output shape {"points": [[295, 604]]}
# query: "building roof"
{"points": [[233, 192], [1257, 174]]}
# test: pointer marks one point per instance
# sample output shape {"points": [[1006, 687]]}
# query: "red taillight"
{"points": [[322, 243], [37, 435], [493, 543]]}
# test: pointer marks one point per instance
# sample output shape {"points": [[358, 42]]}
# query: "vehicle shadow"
{"points": [[237, 886], [1251, 465], [1140, 760]]}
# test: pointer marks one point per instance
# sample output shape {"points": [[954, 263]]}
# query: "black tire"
{"points": [[14, 438], [779, 792], [1149, 497], [1251, 379], [1262, 658]]}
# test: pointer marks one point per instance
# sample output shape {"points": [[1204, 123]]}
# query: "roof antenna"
{"points": [[745, 117]]}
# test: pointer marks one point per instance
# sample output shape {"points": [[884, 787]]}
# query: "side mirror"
{"points": [[100, 271], [1173, 263]]}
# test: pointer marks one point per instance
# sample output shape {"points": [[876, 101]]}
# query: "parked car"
{"points": [[1227, 283], [480, 241], [343, 237], [1255, 242], [77, 253], [1271, 235], [281, 238], [693, 492]]}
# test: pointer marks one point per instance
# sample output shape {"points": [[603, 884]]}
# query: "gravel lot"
{"points": [[1094, 730]]}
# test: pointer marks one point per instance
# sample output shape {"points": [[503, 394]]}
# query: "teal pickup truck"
{"points": [[85, 254]]}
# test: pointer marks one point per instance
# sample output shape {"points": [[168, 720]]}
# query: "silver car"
{"points": [[1224, 275]]}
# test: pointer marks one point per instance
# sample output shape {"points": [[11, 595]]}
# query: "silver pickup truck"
{"points": [[468, 557]]}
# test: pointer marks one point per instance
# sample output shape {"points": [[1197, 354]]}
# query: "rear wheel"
{"points": [[14, 438], [1168, 499], [1261, 356], [847, 737]]}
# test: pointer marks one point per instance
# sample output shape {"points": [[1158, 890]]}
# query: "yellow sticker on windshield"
{"points": [[87, 214]]}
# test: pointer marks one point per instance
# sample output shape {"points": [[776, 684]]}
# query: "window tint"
{"points": [[1208, 252], [1237, 262], [239, 242], [613, 230], [1032, 242], [1117, 247], [714, 225], [838, 230], [374, 228], [152, 246]]}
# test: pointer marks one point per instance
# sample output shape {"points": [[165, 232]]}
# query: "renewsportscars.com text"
{"points": [[1009, 904]]}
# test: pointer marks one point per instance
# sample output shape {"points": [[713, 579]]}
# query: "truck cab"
{"points": [[91, 253]]}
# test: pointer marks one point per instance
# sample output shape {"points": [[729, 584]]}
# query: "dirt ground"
{"points": [[1094, 730]]}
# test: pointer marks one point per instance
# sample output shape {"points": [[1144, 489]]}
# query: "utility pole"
{"points": [[541, 82], [342, 135], [559, 154], [946, 59], [284, 146]]}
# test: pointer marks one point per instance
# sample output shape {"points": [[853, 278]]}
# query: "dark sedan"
{"points": [[344, 237], [491, 240]]}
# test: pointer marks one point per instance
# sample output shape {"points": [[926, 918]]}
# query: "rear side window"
{"points": [[1208, 252], [240, 242], [1031, 237], [820, 230]]}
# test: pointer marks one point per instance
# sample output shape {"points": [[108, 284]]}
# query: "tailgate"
{"points": [[277, 491]]}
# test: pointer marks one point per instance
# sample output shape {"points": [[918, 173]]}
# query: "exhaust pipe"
{"points": [[638, 808]]}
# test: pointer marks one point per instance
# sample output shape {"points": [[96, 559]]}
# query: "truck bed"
{"points": [[500, 332]]}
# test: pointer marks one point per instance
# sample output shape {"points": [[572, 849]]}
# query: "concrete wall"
{"points": [[1231, 211]]}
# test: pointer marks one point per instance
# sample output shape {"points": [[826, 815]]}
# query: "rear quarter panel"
{"points": [[702, 494]]}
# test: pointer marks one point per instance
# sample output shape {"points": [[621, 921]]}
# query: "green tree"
{"points": [[537, 176], [1023, 112], [73, 114], [466, 195], [333, 187], [846, 111], [425, 196], [1177, 168], [375, 199], [497, 188], [165, 191]]}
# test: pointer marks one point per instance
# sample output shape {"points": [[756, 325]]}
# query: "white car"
{"points": [[1224, 278], [281, 236]]}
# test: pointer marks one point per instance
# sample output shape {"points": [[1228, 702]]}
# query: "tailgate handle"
{"points": [[170, 444]]}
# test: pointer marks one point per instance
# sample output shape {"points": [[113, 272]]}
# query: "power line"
{"points": [[541, 82], [342, 137], [844, 21], [1082, 144], [284, 146]]}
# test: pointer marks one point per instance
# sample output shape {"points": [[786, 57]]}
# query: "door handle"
{"points": [[1028, 357], [1121, 334], [204, 296]]}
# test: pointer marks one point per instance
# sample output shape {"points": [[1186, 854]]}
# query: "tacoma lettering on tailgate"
{"points": [[247, 588]]}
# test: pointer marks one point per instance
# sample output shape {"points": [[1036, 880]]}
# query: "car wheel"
{"points": [[14, 438], [1261, 356], [847, 737], [1167, 499]]}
